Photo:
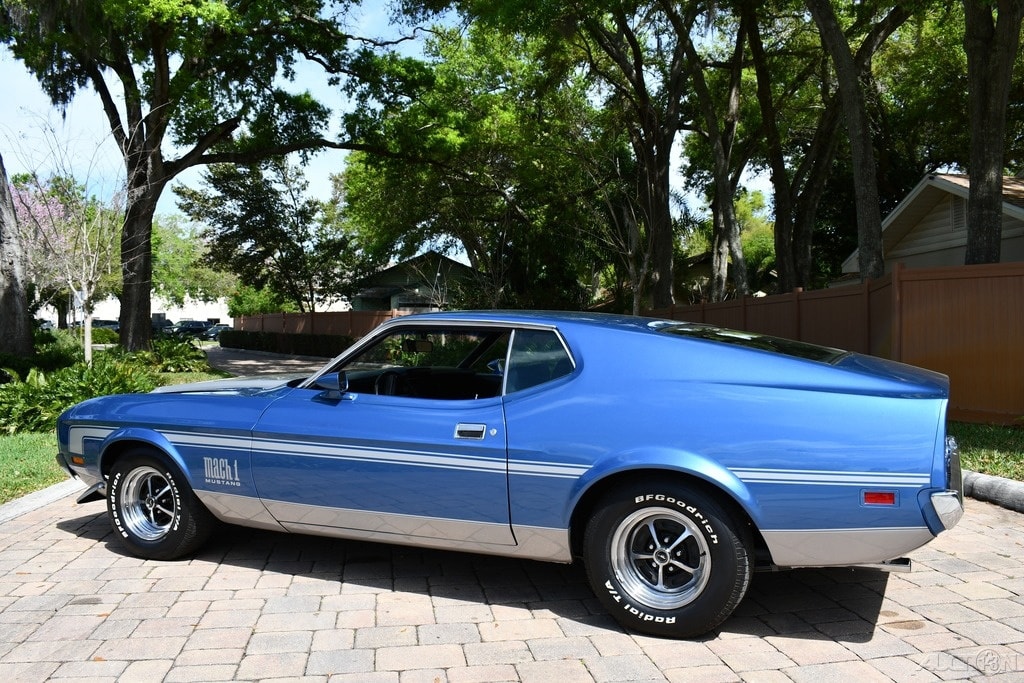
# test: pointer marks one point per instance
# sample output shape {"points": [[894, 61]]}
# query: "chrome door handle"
{"points": [[466, 430]]}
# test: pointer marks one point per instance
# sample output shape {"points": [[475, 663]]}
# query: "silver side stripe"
{"points": [[833, 478], [309, 449], [78, 435], [530, 468], [228, 443], [411, 458]]}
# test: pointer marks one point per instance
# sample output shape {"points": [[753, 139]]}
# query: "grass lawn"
{"points": [[27, 464], [991, 450], [27, 460]]}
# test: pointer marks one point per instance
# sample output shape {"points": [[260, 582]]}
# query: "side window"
{"points": [[446, 363], [537, 356]]}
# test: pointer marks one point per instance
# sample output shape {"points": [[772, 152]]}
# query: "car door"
{"points": [[385, 465]]}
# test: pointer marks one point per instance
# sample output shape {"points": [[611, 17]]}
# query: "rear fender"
{"points": [[662, 462]]}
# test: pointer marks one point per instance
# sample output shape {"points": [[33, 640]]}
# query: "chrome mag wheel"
{"points": [[661, 558], [148, 504]]}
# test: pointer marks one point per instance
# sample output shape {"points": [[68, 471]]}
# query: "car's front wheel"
{"points": [[153, 510], [666, 560]]}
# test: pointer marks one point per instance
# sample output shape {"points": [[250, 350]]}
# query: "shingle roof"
{"points": [[1013, 187]]}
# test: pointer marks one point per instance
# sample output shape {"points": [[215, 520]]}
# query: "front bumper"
{"points": [[97, 491], [65, 466]]}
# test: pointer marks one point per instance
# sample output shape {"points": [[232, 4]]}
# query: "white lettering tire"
{"points": [[665, 560], [153, 510]]}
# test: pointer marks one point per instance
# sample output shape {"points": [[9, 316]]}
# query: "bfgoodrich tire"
{"points": [[153, 510], [665, 560]]}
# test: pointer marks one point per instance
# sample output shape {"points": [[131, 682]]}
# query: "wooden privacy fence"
{"points": [[353, 324], [965, 321]]}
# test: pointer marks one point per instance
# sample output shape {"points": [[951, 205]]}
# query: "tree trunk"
{"points": [[654, 127], [785, 261], [137, 276], [865, 180], [991, 44], [662, 235], [15, 321], [720, 129]]}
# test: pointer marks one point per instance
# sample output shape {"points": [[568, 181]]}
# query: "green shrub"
{"points": [[34, 404], [105, 335], [178, 355], [167, 354], [53, 351]]}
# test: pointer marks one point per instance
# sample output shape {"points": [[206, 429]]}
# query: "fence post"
{"points": [[897, 312], [798, 332], [865, 289]]}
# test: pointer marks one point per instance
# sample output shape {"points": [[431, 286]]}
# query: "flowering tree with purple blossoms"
{"points": [[70, 239]]}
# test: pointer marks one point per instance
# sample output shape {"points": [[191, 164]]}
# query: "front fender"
{"points": [[120, 440]]}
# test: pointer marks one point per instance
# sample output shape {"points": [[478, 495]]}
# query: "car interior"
{"points": [[458, 364]]}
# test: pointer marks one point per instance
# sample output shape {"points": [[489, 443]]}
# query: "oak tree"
{"points": [[185, 83]]}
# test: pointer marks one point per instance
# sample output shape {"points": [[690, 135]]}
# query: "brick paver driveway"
{"points": [[257, 605]]}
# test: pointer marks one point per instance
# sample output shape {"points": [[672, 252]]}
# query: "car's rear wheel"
{"points": [[153, 509], [666, 560]]}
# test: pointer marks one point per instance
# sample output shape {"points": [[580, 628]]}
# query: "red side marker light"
{"points": [[879, 497], [77, 460]]}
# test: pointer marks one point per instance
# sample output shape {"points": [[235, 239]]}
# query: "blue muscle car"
{"points": [[673, 458]]}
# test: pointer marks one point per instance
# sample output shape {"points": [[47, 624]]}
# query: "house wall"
{"points": [[110, 309], [934, 242]]}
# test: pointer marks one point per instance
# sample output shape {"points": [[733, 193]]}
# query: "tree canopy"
{"points": [[185, 83], [549, 143], [262, 227]]}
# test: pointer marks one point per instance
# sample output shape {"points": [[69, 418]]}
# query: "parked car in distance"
{"points": [[189, 328], [212, 333], [109, 324], [672, 458], [162, 326]]}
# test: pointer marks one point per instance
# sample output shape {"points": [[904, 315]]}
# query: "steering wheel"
{"points": [[387, 383]]}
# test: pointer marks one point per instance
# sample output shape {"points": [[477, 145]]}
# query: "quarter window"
{"points": [[537, 356]]}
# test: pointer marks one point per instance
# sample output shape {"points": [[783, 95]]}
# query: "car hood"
{"points": [[239, 386]]}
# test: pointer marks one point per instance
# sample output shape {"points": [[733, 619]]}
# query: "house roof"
{"points": [[414, 272], [922, 199]]}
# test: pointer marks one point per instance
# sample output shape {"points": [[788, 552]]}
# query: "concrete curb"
{"points": [[36, 500], [1006, 493]]}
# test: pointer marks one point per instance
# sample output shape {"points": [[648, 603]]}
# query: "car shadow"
{"points": [[842, 604]]}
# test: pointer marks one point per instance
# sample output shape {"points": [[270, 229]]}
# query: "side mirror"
{"points": [[334, 384]]}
